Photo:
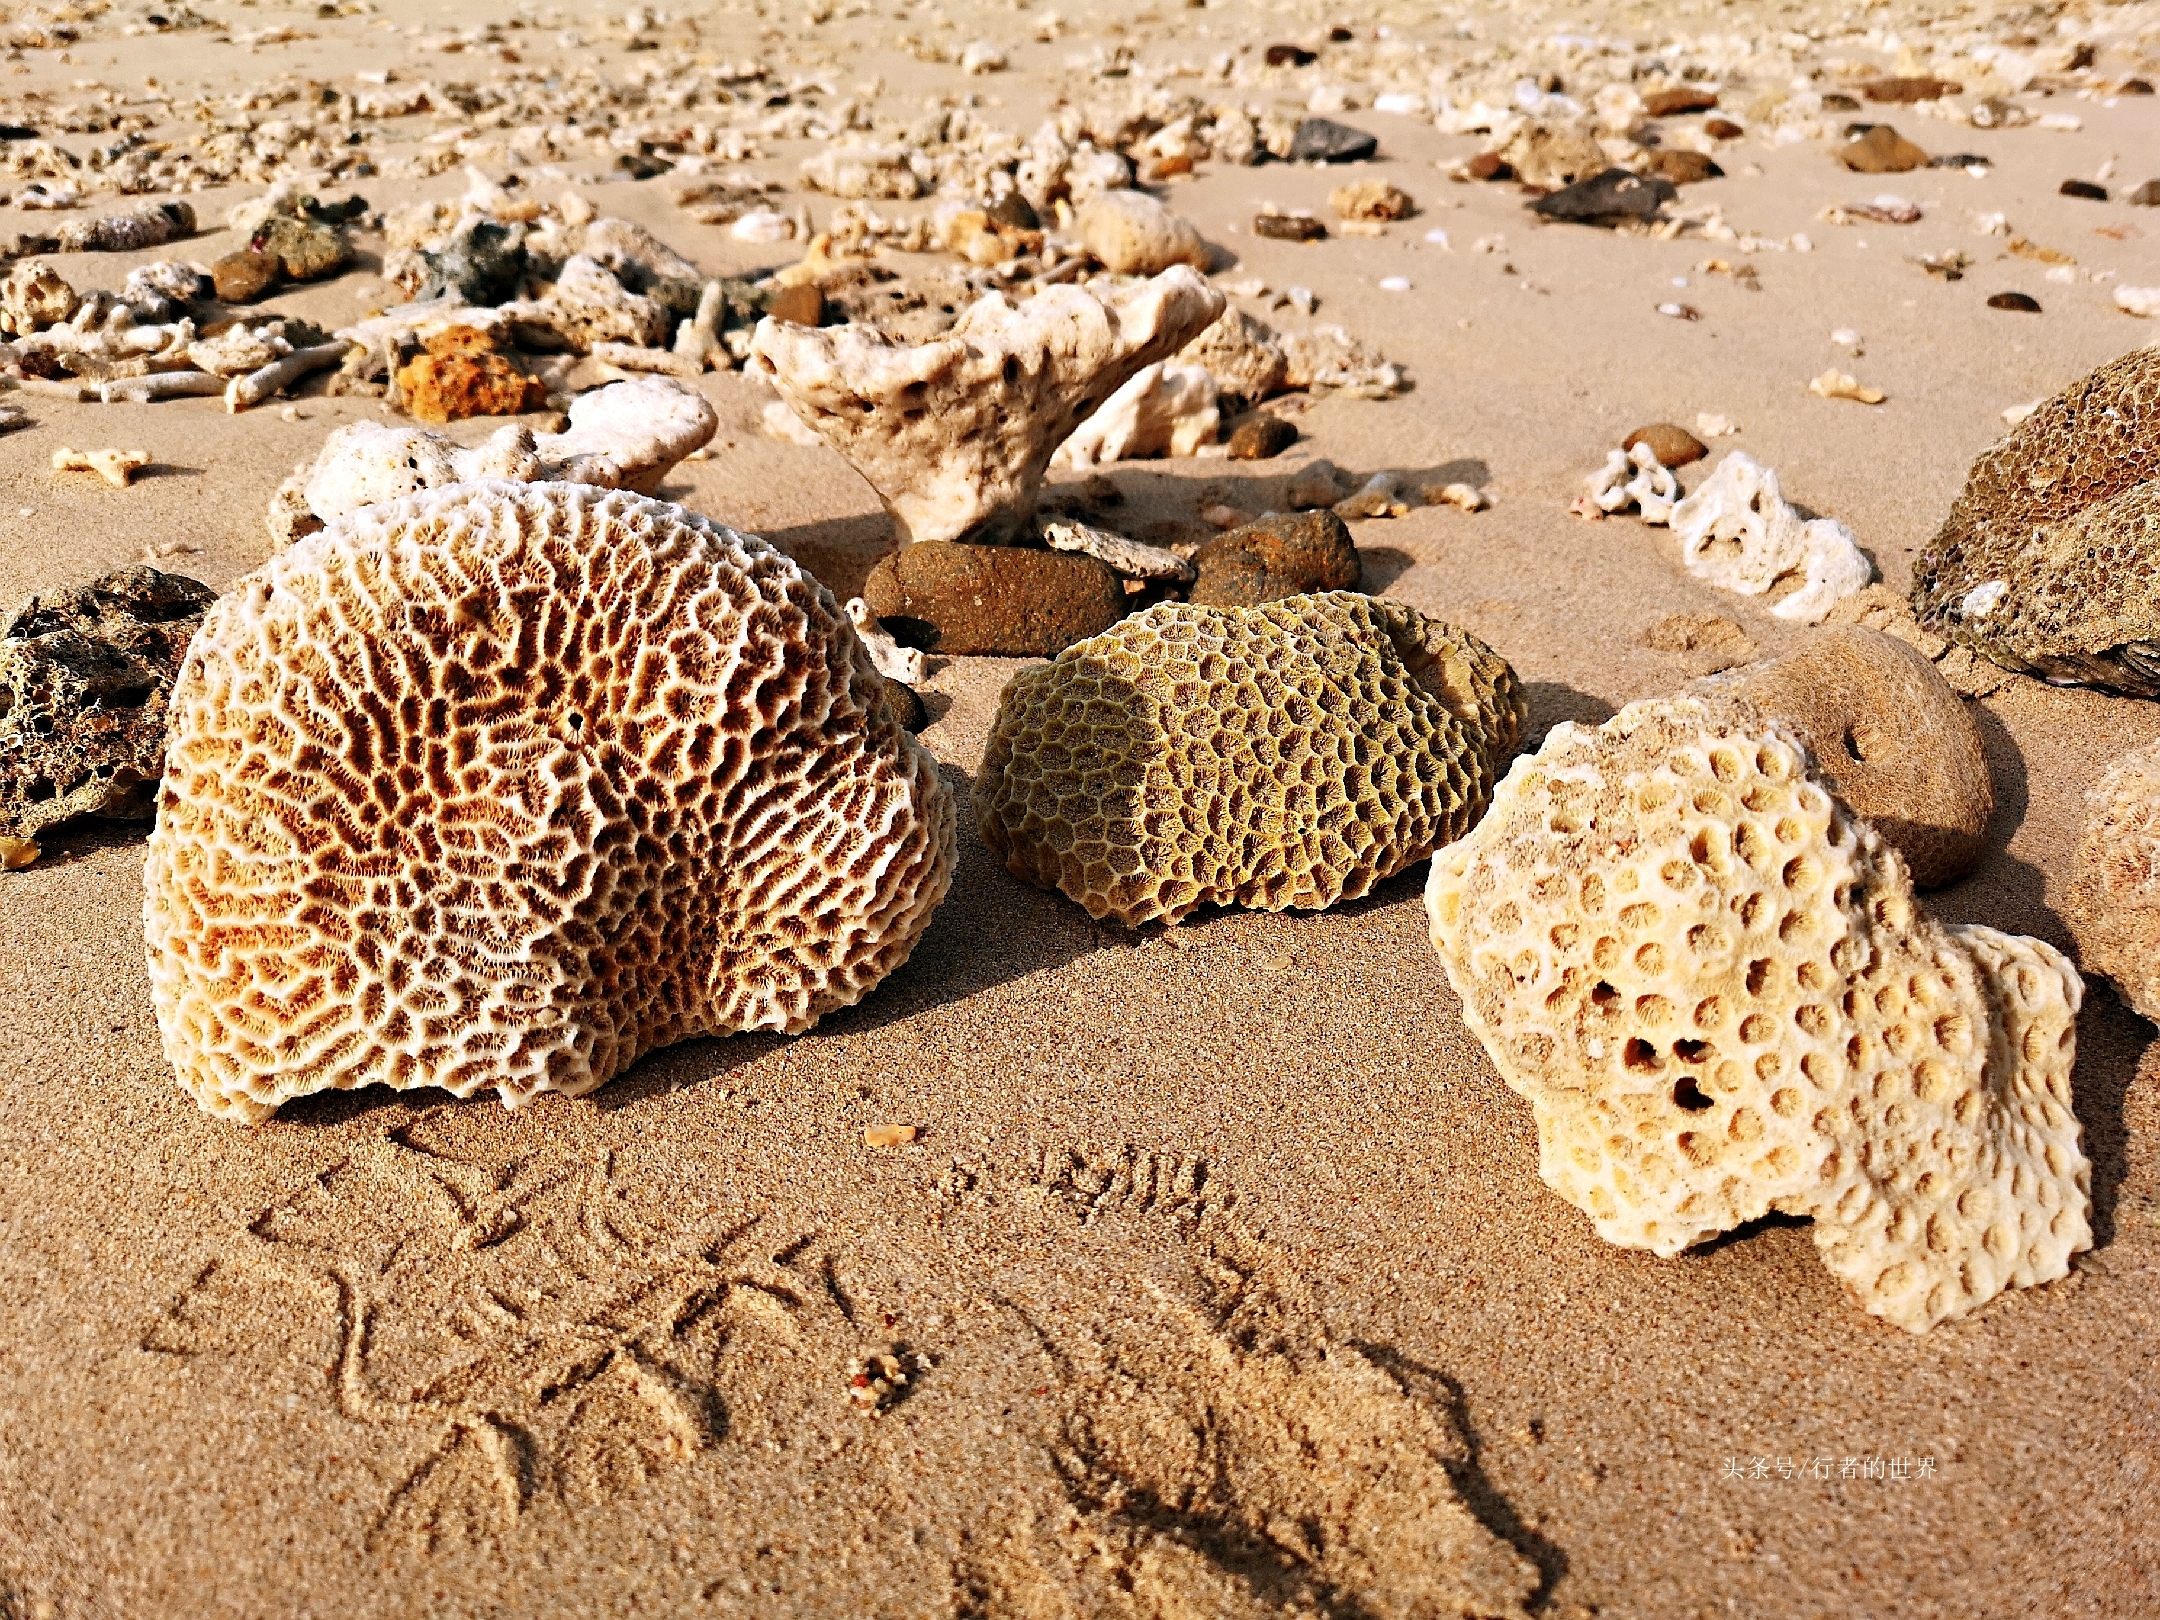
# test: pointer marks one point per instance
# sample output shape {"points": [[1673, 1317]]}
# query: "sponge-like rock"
{"points": [[1890, 737], [2114, 901], [2049, 562], [84, 675], [504, 785], [1292, 754], [1712, 983]]}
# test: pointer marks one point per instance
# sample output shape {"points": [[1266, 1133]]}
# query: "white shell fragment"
{"points": [[1738, 533], [1165, 410]]}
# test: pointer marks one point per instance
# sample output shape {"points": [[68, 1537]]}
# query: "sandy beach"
{"points": [[1218, 1277]]}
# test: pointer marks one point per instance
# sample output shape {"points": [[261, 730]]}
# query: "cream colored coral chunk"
{"points": [[505, 785], [1712, 983], [955, 434], [1739, 533]]}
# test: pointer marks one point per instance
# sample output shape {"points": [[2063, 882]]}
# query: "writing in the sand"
{"points": [[1825, 1468]]}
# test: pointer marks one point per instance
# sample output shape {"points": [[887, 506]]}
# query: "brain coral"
{"points": [[2114, 901], [1712, 983], [2049, 562], [507, 784], [1291, 754]]}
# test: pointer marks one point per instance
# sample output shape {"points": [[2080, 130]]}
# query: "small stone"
{"points": [[1678, 100], [1606, 199], [1680, 166], [1673, 445], [1322, 140], [305, 251], [883, 1136], [1836, 384], [2146, 195], [16, 853], [1838, 101], [1013, 212], [1261, 436], [483, 263], [1132, 234], [2082, 188], [802, 304], [2015, 300], [461, 375], [1289, 228], [1463, 497], [1289, 56], [1488, 166], [1001, 601], [1371, 200], [1280, 555], [1707, 642], [243, 277], [906, 704], [1881, 150], [1723, 129], [1317, 485], [1911, 88]]}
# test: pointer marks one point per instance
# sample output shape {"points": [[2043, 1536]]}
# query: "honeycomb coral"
{"points": [[1291, 754], [507, 784], [2049, 562], [1712, 984], [2114, 901]]}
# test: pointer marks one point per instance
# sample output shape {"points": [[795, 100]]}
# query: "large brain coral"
{"points": [[2049, 562], [507, 784], [1712, 983], [1291, 754]]}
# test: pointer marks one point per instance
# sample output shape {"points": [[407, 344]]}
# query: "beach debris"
{"points": [[878, 1380], [145, 226], [84, 675], [884, 1136], [588, 304], [243, 277], [2084, 189], [1678, 166], [1381, 495], [1714, 986], [278, 375], [13, 417], [1886, 209], [1948, 265], [2113, 906], [1322, 140], [1679, 99], [461, 373], [1293, 227], [163, 289], [1606, 198], [1706, 642], [1889, 736], [2146, 195], [1631, 477], [1242, 354], [1371, 200], [1261, 436], [1318, 483], [893, 661], [17, 853], [1327, 359], [1463, 497], [116, 467], [1881, 150], [2138, 300], [1129, 559], [2039, 252], [1738, 532], [1836, 384], [1162, 410], [550, 744], [1128, 774], [1711, 425], [955, 434], [1672, 444], [628, 435], [882, 173], [1907, 88], [2045, 563], [1545, 155], [1281, 554], [33, 296], [997, 601], [1131, 234], [2022, 302]]}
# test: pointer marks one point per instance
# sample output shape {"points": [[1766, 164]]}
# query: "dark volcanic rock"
{"points": [[2015, 300], [1283, 554], [1005, 601], [1325, 141], [1289, 56], [2082, 188], [84, 674], [1606, 199]]}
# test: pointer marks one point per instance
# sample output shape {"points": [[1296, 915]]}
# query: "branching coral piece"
{"points": [[955, 434], [1633, 477], [1737, 532], [1145, 774], [505, 785], [1712, 983]]}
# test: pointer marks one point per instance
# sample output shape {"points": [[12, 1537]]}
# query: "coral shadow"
{"points": [[838, 552], [1552, 702]]}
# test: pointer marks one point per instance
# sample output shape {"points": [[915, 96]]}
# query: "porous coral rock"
{"points": [[1634, 477], [955, 434], [636, 257], [1713, 985], [504, 786], [1324, 358], [160, 290], [1550, 155], [1889, 736], [84, 674], [998, 601], [33, 296], [587, 305], [2114, 900], [883, 173], [1370, 200], [1738, 533], [1241, 354], [1163, 410], [2049, 562], [461, 374], [1129, 559], [148, 225], [1292, 754], [1282, 554], [1132, 234]]}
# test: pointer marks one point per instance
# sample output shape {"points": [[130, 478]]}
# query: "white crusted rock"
{"points": [[587, 305], [1164, 410], [955, 434], [503, 786], [1714, 986], [1129, 559], [875, 173], [1634, 478], [629, 435], [1242, 355], [33, 296], [634, 255], [1328, 358], [1738, 533], [1134, 235]]}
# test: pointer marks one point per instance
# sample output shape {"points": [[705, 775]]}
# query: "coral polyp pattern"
{"points": [[1291, 754], [1712, 983], [504, 785]]}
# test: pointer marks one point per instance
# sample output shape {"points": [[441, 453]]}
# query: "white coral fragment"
{"points": [[1164, 410], [1130, 559], [1737, 532], [1635, 478], [503, 786], [1712, 983], [955, 434], [893, 661], [587, 305], [881, 173]]}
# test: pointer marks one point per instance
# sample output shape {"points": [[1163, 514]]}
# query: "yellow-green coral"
{"points": [[1290, 754]]}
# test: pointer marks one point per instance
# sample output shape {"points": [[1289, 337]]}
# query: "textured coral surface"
{"points": [[1713, 985], [1292, 754], [506, 784], [2114, 901]]}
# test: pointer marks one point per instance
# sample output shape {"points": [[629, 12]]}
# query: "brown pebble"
{"points": [[1282, 554], [1289, 56], [1289, 228], [1489, 166], [1673, 445], [243, 277], [1882, 150], [800, 305], [1909, 89], [2017, 301], [2146, 195], [906, 704], [1680, 166], [1838, 101], [1723, 129], [1680, 99], [1260, 436], [2082, 188], [1004, 601]]}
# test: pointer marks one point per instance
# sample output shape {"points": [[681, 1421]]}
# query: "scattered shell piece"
{"points": [[1738, 533], [1132, 234], [1130, 559], [17, 853], [2138, 300], [1712, 426], [1715, 988], [1463, 497], [116, 467], [1380, 496], [1835, 384]]}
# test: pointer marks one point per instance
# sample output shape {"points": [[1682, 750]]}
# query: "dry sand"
{"points": [[1220, 1265]]}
